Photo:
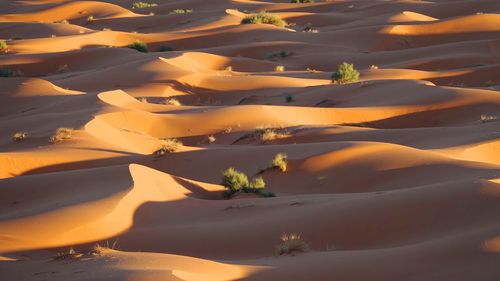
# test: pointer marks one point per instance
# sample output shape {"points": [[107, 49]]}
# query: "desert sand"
{"points": [[392, 177]]}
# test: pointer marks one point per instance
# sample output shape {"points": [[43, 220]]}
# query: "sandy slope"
{"points": [[395, 177]]}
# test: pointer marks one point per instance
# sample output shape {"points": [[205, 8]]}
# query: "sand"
{"points": [[393, 177]]}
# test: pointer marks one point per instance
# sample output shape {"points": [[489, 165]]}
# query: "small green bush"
{"points": [[280, 162], [289, 98], [140, 5], [257, 183], [181, 11], [346, 73], [264, 18], [235, 181], [3, 46], [302, 1], [139, 46]]}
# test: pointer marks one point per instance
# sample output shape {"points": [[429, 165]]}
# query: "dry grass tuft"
{"points": [[485, 118], [280, 161], [168, 146], [279, 68], [19, 136], [61, 135], [172, 101], [291, 244]]}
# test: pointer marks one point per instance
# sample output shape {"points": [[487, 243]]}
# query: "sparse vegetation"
{"points": [[291, 244], [181, 11], [279, 68], [269, 134], [280, 161], [302, 1], [235, 181], [3, 46], [19, 136], [264, 18], [140, 5], [165, 48], [172, 101], [289, 98], [69, 254], [345, 73], [168, 146], [373, 67], [139, 46], [90, 19], [228, 68], [211, 139], [61, 135], [485, 118]]}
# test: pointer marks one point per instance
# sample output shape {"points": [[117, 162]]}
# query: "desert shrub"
{"points": [[302, 1], [235, 181], [168, 146], [280, 161], [270, 134], [345, 73], [289, 98], [279, 68], [19, 136], [5, 72], [485, 118], [172, 101], [90, 19], [3, 46], [139, 46], [264, 18], [140, 5], [373, 67], [61, 135], [69, 254], [257, 183], [165, 48], [211, 139], [291, 243], [181, 11]]}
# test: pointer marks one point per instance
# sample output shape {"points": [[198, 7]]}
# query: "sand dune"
{"points": [[395, 176]]}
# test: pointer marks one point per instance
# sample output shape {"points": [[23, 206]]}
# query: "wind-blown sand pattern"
{"points": [[393, 177]]}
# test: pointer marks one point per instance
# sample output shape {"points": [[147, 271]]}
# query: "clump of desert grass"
{"points": [[140, 5], [235, 182], [68, 255], [291, 244], [172, 101], [19, 136], [168, 145], [3, 46], [302, 1], [211, 139], [280, 161], [181, 11], [264, 17], [269, 134], [279, 68], [61, 135], [485, 118], [289, 98], [345, 73], [139, 46]]}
